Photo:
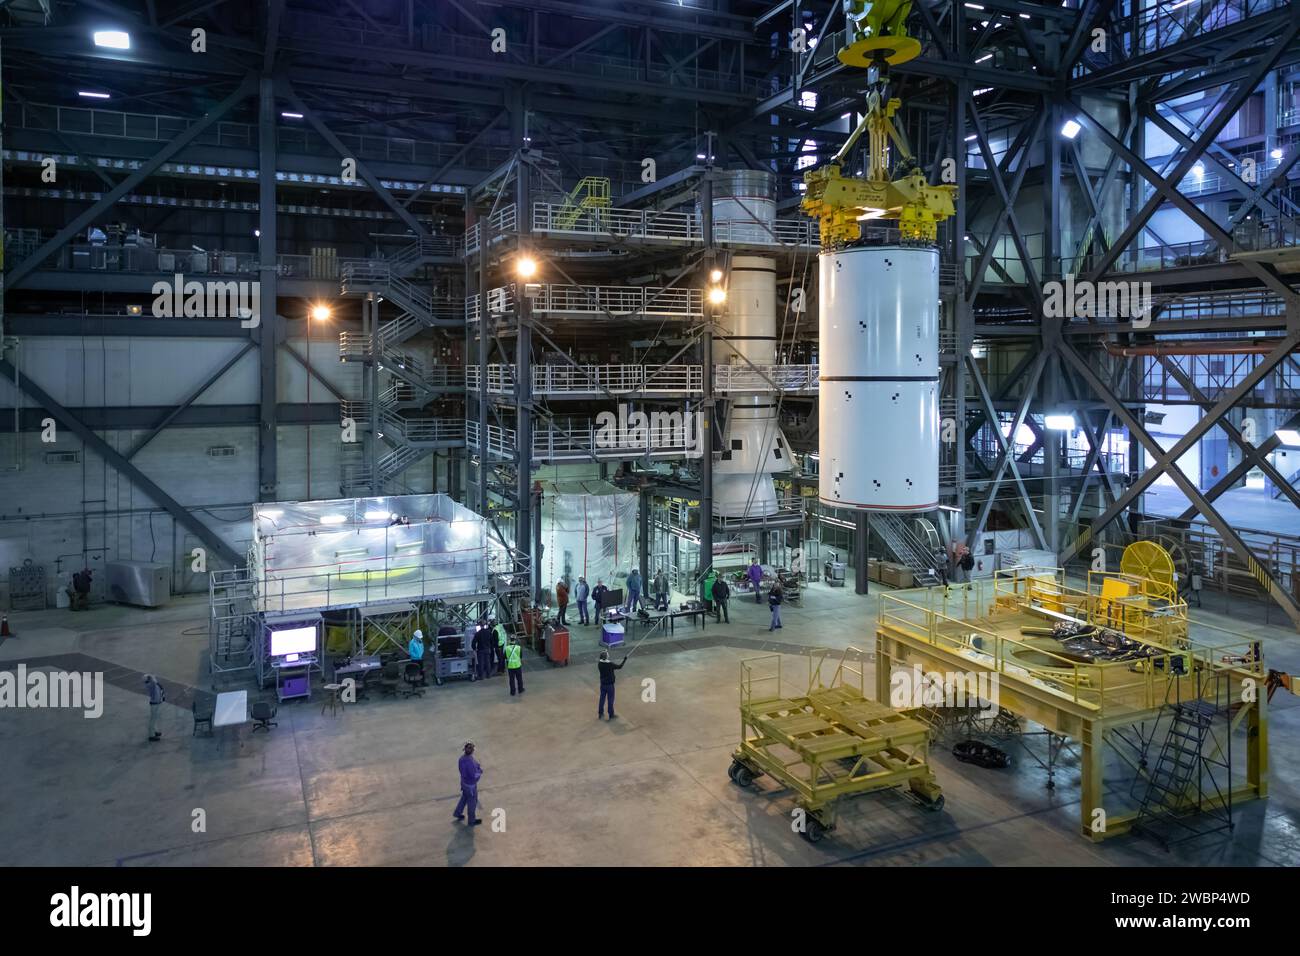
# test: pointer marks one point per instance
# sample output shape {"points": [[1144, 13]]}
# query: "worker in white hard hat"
{"points": [[415, 651]]}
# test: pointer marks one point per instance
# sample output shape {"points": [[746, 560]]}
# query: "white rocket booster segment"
{"points": [[879, 368], [753, 448]]}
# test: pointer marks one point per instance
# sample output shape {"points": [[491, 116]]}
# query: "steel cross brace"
{"points": [[119, 463], [1234, 433], [1006, 459], [1164, 461]]}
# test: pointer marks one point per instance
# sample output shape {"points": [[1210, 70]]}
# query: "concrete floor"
{"points": [[378, 784]]}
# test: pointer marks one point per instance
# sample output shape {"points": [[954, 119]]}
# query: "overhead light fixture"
{"points": [[1024, 16], [379, 516], [1289, 437], [1059, 423], [715, 275], [288, 115], [717, 295], [972, 6], [1276, 153], [352, 553], [986, 56], [982, 90], [112, 39], [526, 267], [333, 519], [700, 156], [92, 95], [1199, 169], [1071, 129], [971, 138], [321, 313]]}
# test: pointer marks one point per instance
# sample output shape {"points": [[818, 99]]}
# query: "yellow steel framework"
{"points": [[592, 192], [980, 628], [828, 740], [877, 39]]}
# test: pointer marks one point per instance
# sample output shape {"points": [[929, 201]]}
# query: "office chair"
{"points": [[202, 715], [262, 714], [414, 677], [390, 679]]}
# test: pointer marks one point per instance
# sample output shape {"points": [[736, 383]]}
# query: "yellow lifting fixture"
{"points": [[827, 740], [878, 39]]}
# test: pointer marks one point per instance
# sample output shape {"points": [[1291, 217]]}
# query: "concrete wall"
{"points": [[62, 515]]}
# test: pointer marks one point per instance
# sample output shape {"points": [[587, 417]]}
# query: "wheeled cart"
{"points": [[827, 741]]}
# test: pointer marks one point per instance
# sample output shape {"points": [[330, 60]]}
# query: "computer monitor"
{"points": [[293, 640]]}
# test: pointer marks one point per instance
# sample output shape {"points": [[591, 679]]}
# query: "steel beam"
{"points": [[1261, 572], [19, 272], [120, 464], [188, 400]]}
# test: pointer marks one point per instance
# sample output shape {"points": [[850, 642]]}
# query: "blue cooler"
{"points": [[611, 635]]}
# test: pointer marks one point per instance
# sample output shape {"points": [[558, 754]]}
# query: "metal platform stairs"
{"points": [[1188, 791], [924, 556]]}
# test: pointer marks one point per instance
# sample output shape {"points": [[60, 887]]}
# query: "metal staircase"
{"points": [[923, 557], [1189, 790], [380, 276], [230, 623], [410, 438]]}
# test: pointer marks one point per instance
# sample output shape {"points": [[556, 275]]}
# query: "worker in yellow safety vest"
{"points": [[500, 630], [515, 666]]}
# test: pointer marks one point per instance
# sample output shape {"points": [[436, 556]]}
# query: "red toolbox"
{"points": [[557, 647]]}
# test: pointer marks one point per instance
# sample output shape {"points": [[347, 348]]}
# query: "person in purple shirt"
{"points": [[470, 771], [756, 579]]}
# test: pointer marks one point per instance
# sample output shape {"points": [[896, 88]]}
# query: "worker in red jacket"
{"points": [[562, 600]]}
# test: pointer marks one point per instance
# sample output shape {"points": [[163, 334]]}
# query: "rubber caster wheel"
{"points": [[731, 771], [813, 830], [744, 776], [934, 806]]}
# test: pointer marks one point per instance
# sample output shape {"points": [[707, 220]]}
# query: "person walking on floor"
{"points": [[561, 601], [470, 772], [661, 590], [774, 599], [502, 638], [721, 594], [515, 666], [482, 645], [607, 668], [756, 579], [633, 590], [580, 594], [156, 698]]}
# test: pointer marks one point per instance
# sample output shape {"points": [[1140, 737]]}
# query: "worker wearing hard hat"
{"points": [[415, 651], [515, 666]]}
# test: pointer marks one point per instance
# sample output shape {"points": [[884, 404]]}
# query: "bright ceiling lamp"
{"points": [[112, 39], [333, 519], [1059, 423], [1071, 129]]}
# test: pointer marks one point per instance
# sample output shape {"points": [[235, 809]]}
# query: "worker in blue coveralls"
{"points": [[470, 772]]}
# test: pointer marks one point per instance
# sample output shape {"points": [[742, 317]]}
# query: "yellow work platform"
{"points": [[828, 742], [988, 629]]}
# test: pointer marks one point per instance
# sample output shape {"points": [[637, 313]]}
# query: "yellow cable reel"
{"points": [[1152, 563]]}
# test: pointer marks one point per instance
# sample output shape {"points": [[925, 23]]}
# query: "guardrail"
{"points": [[649, 224], [501, 442], [765, 378]]}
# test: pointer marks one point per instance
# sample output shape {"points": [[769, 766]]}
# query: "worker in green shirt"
{"points": [[515, 666], [500, 630], [706, 589]]}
